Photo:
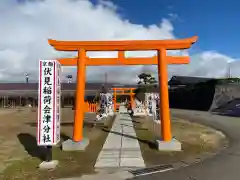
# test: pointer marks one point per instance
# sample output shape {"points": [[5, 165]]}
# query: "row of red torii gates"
{"points": [[161, 60]]}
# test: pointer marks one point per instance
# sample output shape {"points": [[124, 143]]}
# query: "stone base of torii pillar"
{"points": [[173, 145], [70, 145]]}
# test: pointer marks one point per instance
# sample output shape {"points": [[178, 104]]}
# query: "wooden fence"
{"points": [[90, 107]]}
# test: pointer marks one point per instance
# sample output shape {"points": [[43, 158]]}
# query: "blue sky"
{"points": [[215, 22]]}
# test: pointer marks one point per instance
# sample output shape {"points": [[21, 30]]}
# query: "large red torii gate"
{"points": [[162, 60]]}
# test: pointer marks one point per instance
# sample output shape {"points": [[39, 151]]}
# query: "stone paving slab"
{"points": [[105, 163], [129, 134], [109, 142], [129, 138], [112, 138], [118, 130], [125, 121], [132, 162], [125, 117], [130, 145], [130, 154], [109, 154], [128, 130], [113, 146]]}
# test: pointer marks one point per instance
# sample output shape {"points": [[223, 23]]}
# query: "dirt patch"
{"points": [[198, 141], [24, 154]]}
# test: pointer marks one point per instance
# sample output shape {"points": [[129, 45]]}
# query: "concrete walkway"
{"points": [[121, 148]]}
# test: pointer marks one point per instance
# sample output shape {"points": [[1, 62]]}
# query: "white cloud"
{"points": [[173, 16], [25, 28], [208, 64]]}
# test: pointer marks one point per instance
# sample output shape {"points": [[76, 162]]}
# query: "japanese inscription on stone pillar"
{"points": [[49, 103]]}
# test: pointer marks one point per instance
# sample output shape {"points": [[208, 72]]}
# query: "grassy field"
{"points": [[20, 155], [197, 141]]}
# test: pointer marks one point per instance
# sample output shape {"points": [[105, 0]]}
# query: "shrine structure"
{"points": [[161, 60]]}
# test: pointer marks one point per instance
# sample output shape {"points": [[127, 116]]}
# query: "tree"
{"points": [[145, 78], [146, 83]]}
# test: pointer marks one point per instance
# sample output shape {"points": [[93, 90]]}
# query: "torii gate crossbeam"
{"points": [[161, 60]]}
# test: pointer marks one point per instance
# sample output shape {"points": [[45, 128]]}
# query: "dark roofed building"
{"points": [[177, 81]]}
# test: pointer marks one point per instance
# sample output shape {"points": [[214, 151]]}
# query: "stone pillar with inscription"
{"points": [[49, 105]]}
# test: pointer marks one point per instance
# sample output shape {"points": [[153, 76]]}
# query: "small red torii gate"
{"points": [[122, 89]]}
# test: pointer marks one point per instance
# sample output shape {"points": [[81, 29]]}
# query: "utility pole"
{"points": [[229, 73], [27, 77], [106, 77], [69, 78]]}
